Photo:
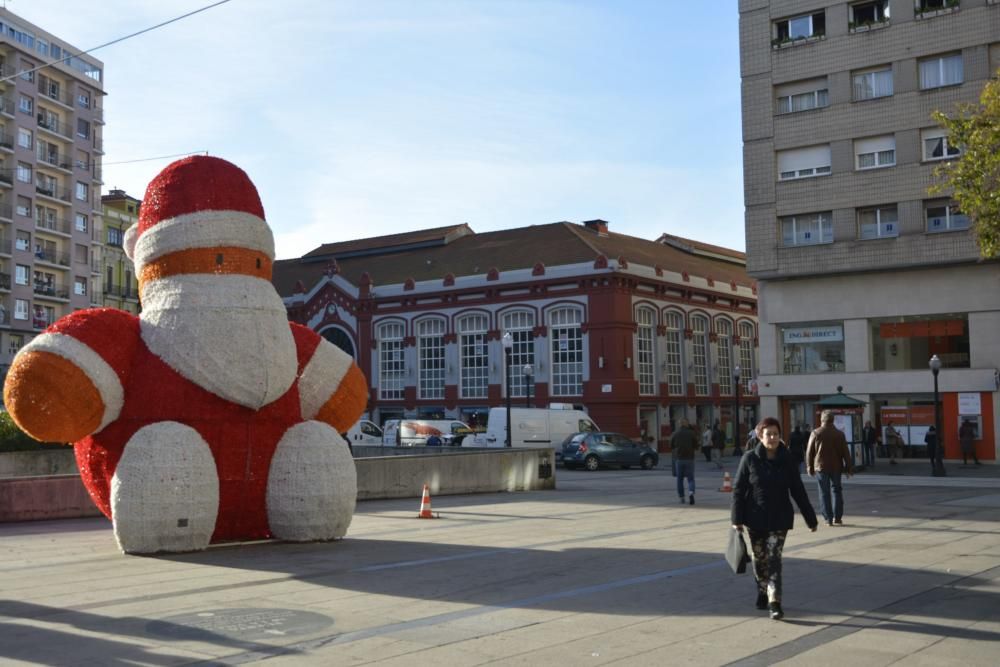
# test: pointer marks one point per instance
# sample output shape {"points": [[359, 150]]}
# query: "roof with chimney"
{"points": [[432, 254]]}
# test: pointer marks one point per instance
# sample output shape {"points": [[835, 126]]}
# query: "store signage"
{"points": [[968, 404], [803, 335]]}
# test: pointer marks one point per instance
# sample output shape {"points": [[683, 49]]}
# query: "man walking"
{"points": [[869, 436], [718, 444], [827, 457], [684, 444]]}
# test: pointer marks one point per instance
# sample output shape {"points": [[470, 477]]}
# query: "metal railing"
{"points": [[53, 158], [5, 281], [6, 246], [53, 191], [60, 258], [53, 290], [7, 105], [60, 225], [7, 140]]}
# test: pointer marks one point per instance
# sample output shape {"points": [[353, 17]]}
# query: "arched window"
{"points": [[520, 324], [567, 351], [390, 356], [430, 355], [699, 328], [747, 365], [674, 359], [645, 337], [724, 352], [340, 338], [473, 356]]}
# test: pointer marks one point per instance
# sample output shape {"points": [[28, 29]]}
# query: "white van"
{"points": [[410, 432], [541, 427], [364, 432]]}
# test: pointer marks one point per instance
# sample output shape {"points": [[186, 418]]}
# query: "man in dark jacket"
{"points": [[684, 443], [827, 458], [869, 436], [718, 444], [797, 447]]}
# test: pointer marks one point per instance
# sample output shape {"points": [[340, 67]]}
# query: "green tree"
{"points": [[13, 439], [975, 175]]}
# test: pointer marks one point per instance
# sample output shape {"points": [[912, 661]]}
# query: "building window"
{"points": [[82, 253], [22, 241], [28, 73], [23, 206], [802, 95], [82, 160], [817, 347], [906, 343], [869, 13], [82, 191], [941, 71], [934, 5], [81, 222], [808, 229], [26, 104], [878, 222], [724, 351], [645, 337], [24, 172], [937, 145], [944, 217], [82, 128], [21, 273], [20, 309], [674, 359], [747, 364], [800, 27], [24, 138], [699, 339], [875, 152], [474, 356], [804, 162], [83, 99], [873, 83], [390, 357], [80, 286], [15, 342], [567, 351], [114, 236], [520, 324], [430, 351]]}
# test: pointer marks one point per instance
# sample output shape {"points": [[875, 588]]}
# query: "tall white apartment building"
{"points": [[863, 275]]}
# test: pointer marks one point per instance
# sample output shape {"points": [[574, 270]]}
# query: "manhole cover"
{"points": [[246, 624]]}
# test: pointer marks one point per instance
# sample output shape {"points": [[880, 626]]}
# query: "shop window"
{"points": [[430, 350], [817, 347], [391, 365], [908, 343], [473, 356], [520, 324]]}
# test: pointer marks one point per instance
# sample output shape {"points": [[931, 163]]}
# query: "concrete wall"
{"points": [[400, 474], [41, 462]]}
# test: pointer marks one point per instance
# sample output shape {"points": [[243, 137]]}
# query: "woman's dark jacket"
{"points": [[762, 489]]}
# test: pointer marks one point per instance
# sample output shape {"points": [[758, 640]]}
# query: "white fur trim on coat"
{"points": [[93, 366], [321, 377], [203, 229]]}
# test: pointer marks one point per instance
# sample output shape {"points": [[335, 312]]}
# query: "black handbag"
{"points": [[736, 552]]}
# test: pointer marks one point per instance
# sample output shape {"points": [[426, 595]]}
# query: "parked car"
{"points": [[601, 448]]}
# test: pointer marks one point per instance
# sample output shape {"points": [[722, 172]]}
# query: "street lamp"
{"points": [[936, 463], [508, 342], [528, 374], [736, 432]]}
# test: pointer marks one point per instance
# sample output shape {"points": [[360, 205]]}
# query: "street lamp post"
{"points": [[508, 342], [937, 463], [736, 431], [529, 373]]}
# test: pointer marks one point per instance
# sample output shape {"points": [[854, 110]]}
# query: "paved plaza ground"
{"points": [[607, 569]]}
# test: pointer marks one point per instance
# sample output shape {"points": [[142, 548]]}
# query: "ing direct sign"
{"points": [[802, 335]]}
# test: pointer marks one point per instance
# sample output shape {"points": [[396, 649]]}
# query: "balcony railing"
{"points": [[6, 140], [53, 124], [54, 159], [5, 281], [54, 191], [123, 291], [7, 105], [99, 114], [6, 212], [53, 290], [5, 176], [59, 225], [55, 95], [5, 246], [60, 258]]}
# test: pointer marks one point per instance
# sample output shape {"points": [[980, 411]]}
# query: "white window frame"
{"points": [[391, 363], [431, 358], [20, 309], [26, 104], [473, 356], [25, 138], [645, 343], [954, 220], [521, 326], [934, 134], [941, 70], [22, 274], [875, 152], [820, 98], [673, 359], [880, 4], [871, 80], [24, 211], [82, 191], [804, 162], [566, 351], [724, 355], [80, 286], [823, 220], [81, 222], [811, 32], [24, 172], [886, 225], [747, 360], [699, 356]]}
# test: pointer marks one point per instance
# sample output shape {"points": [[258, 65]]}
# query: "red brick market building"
{"points": [[640, 333]]}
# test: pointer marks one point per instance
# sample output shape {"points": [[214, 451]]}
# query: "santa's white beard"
{"points": [[228, 334]]}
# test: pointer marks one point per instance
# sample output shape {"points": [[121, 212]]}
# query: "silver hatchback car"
{"points": [[601, 448]]}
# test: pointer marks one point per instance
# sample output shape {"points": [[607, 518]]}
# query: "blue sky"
{"points": [[357, 119]]}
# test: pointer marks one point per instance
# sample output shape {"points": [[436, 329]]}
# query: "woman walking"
{"points": [[765, 480]]}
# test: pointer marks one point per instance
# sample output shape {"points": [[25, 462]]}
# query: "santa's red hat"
{"points": [[198, 202]]}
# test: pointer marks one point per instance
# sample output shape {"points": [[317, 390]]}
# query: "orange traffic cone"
{"points": [[425, 505], [727, 483]]}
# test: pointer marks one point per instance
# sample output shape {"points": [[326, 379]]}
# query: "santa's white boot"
{"points": [[165, 491], [312, 486]]}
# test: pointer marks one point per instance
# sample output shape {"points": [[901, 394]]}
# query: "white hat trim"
{"points": [[321, 377], [203, 229], [93, 366]]}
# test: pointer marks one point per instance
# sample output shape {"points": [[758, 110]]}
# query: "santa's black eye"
{"points": [[258, 262], [218, 259]]}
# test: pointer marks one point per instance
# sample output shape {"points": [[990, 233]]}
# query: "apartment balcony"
{"points": [[54, 159], [56, 96], [5, 281], [99, 145], [52, 257], [122, 291], [5, 177], [6, 212], [7, 105], [52, 191], [51, 291], [55, 126], [6, 246], [99, 115], [6, 141], [56, 225], [95, 267]]}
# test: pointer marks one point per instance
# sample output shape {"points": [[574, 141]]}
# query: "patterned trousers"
{"points": [[766, 550]]}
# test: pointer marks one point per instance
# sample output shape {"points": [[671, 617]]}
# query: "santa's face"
{"points": [[227, 333]]}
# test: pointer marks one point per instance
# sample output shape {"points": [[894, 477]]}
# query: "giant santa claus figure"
{"points": [[209, 417]]}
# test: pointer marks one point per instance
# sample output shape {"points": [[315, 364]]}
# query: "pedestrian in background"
{"points": [[718, 444], [766, 481], [797, 447], [827, 458], [966, 438], [706, 442], [684, 444], [931, 440], [893, 441], [869, 436]]}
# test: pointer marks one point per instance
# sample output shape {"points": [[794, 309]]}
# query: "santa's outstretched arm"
{"points": [[67, 382], [332, 389]]}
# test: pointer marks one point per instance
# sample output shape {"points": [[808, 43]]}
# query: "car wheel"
{"points": [[647, 462], [591, 462]]}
